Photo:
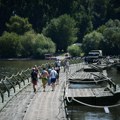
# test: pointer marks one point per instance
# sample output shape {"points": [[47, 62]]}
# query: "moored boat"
{"points": [[88, 75], [99, 96]]}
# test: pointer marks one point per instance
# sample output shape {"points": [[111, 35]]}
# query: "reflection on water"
{"points": [[87, 113], [7, 68]]}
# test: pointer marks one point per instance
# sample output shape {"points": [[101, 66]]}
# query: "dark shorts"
{"points": [[34, 82], [53, 80]]}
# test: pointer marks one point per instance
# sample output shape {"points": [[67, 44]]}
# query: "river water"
{"points": [[7, 68]]}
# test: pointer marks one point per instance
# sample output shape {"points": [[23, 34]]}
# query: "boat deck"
{"points": [[88, 92], [88, 77]]}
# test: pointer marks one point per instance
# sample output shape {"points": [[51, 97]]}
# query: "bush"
{"points": [[42, 46], [74, 50]]}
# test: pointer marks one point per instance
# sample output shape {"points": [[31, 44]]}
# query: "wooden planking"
{"points": [[82, 75], [88, 92], [80, 93], [101, 92], [40, 106]]}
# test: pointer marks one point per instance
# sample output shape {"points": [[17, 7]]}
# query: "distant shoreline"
{"points": [[17, 59]]}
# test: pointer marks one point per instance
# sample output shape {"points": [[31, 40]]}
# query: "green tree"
{"points": [[74, 50], [62, 31], [36, 45], [9, 45], [92, 41], [27, 42], [111, 42], [42, 46], [18, 25]]}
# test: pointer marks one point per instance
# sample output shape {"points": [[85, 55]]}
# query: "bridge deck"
{"points": [[40, 106]]}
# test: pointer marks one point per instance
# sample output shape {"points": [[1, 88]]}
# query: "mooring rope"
{"points": [[93, 106], [95, 81]]}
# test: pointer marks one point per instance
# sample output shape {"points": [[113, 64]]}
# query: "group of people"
{"points": [[49, 76]]}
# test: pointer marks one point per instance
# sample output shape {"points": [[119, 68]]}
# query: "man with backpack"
{"points": [[34, 78]]}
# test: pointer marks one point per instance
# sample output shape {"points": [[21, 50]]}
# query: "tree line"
{"points": [[33, 28]]}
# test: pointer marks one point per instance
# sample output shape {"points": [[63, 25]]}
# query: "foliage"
{"points": [[62, 31], [111, 33], [18, 25], [9, 45], [27, 42], [88, 15], [92, 41], [36, 45], [39, 12], [42, 46], [28, 45], [74, 50]]}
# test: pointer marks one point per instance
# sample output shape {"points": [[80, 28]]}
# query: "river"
{"points": [[7, 68]]}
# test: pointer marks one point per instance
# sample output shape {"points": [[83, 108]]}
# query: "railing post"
{"points": [[26, 76], [11, 85], [2, 96], [17, 82], [22, 79], [6, 88]]}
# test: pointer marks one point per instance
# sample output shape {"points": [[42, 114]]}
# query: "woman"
{"points": [[44, 77]]}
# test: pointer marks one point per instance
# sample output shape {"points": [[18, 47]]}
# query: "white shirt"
{"points": [[53, 74]]}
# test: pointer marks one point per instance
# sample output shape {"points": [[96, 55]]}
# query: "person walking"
{"points": [[57, 68], [44, 77], [49, 71], [66, 65], [53, 75], [34, 78]]}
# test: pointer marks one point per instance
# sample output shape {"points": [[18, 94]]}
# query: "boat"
{"points": [[49, 57], [97, 95], [102, 92], [88, 75]]}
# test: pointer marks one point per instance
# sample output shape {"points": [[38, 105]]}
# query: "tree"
{"points": [[62, 31], [74, 50], [42, 46], [27, 42], [111, 32], [9, 45], [18, 25], [111, 43], [36, 45], [92, 41]]}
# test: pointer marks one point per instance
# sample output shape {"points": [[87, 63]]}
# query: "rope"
{"points": [[94, 106], [95, 81]]}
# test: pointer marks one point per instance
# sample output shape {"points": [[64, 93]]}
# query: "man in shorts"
{"points": [[53, 75]]}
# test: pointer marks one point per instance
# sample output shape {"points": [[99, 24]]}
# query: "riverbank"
{"points": [[60, 56]]}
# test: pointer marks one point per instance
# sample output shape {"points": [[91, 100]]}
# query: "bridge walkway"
{"points": [[26, 105]]}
